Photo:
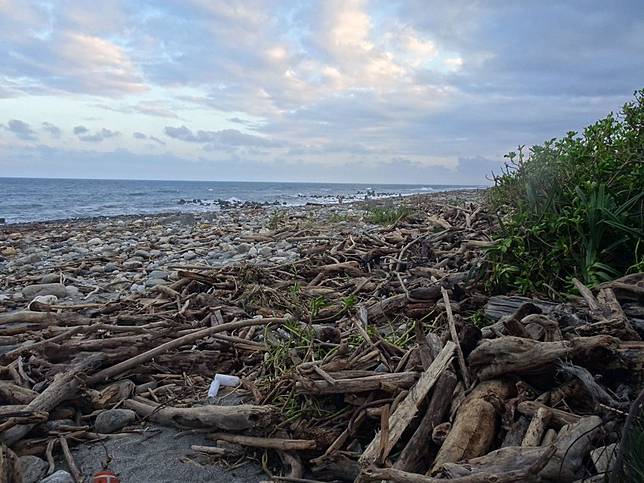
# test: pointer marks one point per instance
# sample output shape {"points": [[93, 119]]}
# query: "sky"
{"points": [[414, 91]]}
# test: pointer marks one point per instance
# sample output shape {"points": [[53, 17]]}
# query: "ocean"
{"points": [[36, 199]]}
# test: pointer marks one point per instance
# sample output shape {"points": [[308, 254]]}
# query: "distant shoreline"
{"points": [[270, 206]]}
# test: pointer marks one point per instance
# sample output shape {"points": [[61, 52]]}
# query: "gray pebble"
{"points": [[72, 291], [57, 289], [110, 267], [189, 255], [59, 477], [50, 278], [33, 468], [159, 274], [132, 264], [114, 419]]}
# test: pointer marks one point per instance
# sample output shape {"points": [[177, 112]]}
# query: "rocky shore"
{"points": [[352, 342], [105, 259]]}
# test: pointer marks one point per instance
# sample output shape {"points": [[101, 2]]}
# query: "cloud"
{"points": [[21, 130], [53, 130], [396, 88], [225, 137], [139, 135], [83, 134]]}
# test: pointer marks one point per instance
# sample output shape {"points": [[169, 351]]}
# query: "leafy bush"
{"points": [[572, 207]]}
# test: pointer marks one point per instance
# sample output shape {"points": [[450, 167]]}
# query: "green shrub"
{"points": [[572, 207], [387, 216]]}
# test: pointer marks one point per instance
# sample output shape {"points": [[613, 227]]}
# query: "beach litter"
{"points": [[373, 355]]}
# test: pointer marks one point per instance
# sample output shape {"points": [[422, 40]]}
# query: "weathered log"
{"points": [[408, 408], [271, 443], [572, 446], [14, 394], [10, 471], [516, 355], [229, 418], [376, 382], [557, 416], [537, 428], [414, 455], [475, 425]]}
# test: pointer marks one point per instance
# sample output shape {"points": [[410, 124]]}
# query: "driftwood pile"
{"points": [[362, 361]]}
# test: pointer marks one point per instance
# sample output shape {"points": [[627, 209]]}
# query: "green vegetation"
{"points": [[278, 218], [572, 207], [340, 217], [387, 216]]}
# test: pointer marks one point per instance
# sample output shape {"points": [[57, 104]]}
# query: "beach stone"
{"points": [[266, 251], [33, 468], [50, 278], [114, 419], [242, 248], [158, 274], [28, 260], [252, 252], [153, 282], [58, 477], [96, 269], [110, 267], [189, 255], [94, 242], [155, 253], [142, 253], [31, 291], [72, 291], [136, 288], [132, 264]]}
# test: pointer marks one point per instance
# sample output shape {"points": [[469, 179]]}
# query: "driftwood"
{"points": [[572, 445], [516, 355], [272, 443], [64, 386], [475, 424], [229, 418], [407, 409], [350, 365], [414, 455]]}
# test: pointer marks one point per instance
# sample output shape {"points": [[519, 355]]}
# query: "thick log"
{"points": [[414, 455], [516, 355], [14, 394], [475, 425], [572, 446], [377, 382], [229, 418], [408, 408]]}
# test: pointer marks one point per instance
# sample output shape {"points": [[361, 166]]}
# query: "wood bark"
{"points": [[408, 408], [229, 418], [64, 386], [475, 425], [572, 446], [516, 355], [414, 455]]}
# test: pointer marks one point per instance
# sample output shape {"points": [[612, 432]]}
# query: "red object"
{"points": [[105, 477]]}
